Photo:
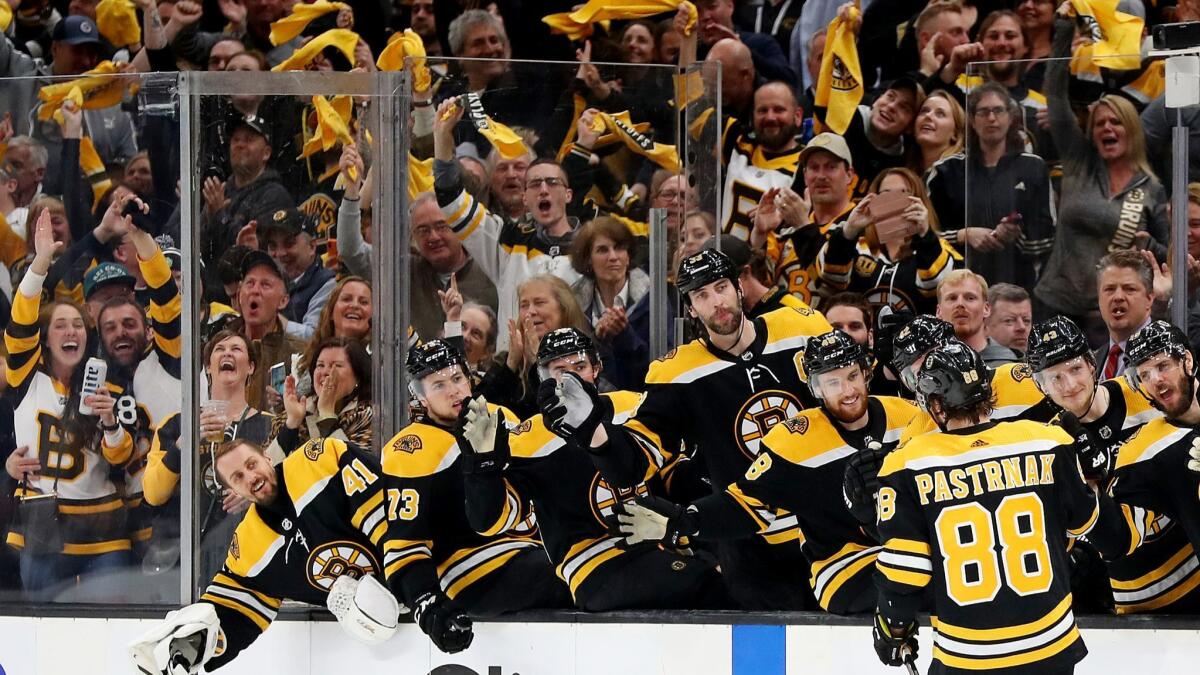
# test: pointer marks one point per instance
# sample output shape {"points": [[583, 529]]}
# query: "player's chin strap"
{"points": [[180, 644], [364, 607]]}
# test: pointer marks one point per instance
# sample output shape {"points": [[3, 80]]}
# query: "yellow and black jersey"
{"points": [[980, 515], [92, 515], [573, 503], [430, 541], [908, 284], [329, 519], [793, 254], [776, 298], [720, 404], [751, 170], [796, 481], [1157, 495], [1017, 398]]}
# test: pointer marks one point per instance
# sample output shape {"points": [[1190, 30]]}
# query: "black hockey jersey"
{"points": [[573, 503], [980, 514], [328, 520], [1151, 479], [430, 541], [799, 473]]}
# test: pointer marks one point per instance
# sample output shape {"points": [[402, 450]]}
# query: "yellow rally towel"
{"points": [[12, 245], [1117, 36], [342, 39], [1084, 65], [333, 124], [420, 176], [505, 140], [662, 155], [578, 24], [302, 14], [839, 84], [406, 44], [98, 88], [93, 170], [6, 16], [118, 22]]}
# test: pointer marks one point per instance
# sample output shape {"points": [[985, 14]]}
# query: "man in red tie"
{"points": [[1124, 282]]}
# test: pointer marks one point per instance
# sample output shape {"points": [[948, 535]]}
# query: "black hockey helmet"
{"points": [[1156, 337], [432, 356], [1054, 341], [917, 337], [703, 268], [562, 342], [956, 374], [830, 351]]}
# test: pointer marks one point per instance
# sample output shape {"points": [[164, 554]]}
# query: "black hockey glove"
{"points": [[895, 644], [860, 482], [482, 437], [573, 409], [1093, 458], [446, 624], [885, 335]]}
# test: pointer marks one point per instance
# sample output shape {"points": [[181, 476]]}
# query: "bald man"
{"points": [[715, 18], [738, 76]]}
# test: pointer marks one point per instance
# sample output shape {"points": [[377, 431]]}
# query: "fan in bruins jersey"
{"points": [[1162, 573], [799, 471], [719, 394], [434, 551], [70, 455], [573, 503], [313, 533], [979, 513], [1149, 478]]}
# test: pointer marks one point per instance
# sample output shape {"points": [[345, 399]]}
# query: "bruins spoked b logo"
{"points": [[763, 411], [330, 561]]}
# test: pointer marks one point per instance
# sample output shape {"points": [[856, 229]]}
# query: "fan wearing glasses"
{"points": [[509, 251]]}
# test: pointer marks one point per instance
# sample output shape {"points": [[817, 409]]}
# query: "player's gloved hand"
{"points": [[365, 609], [1194, 462], [655, 519], [180, 644], [573, 409], [482, 437], [1093, 458], [446, 624], [885, 335], [860, 482], [895, 643]]}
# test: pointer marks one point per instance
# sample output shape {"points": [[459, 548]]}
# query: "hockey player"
{"points": [[798, 472], [432, 551], [313, 533], [720, 394], [979, 512], [574, 505], [1149, 478], [1162, 573]]}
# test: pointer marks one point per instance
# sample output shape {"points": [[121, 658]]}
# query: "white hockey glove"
{"points": [[1194, 462], [655, 519], [364, 607], [180, 644]]}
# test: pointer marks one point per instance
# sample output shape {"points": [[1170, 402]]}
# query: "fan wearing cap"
{"points": [[105, 282], [253, 192], [74, 48], [290, 237], [433, 555], [262, 296], [981, 486], [720, 394], [575, 506], [1159, 575], [799, 474], [793, 228]]}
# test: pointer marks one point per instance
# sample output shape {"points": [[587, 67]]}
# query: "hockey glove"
{"points": [[860, 482], [895, 644], [885, 336], [180, 644], [654, 519], [576, 409], [1093, 458], [364, 607], [447, 625], [1194, 462], [482, 437]]}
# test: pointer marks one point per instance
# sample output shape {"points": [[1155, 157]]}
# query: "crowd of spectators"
{"points": [[989, 163]]}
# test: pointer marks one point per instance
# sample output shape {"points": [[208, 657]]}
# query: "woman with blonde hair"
{"points": [[901, 272], [939, 129], [1111, 199]]}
